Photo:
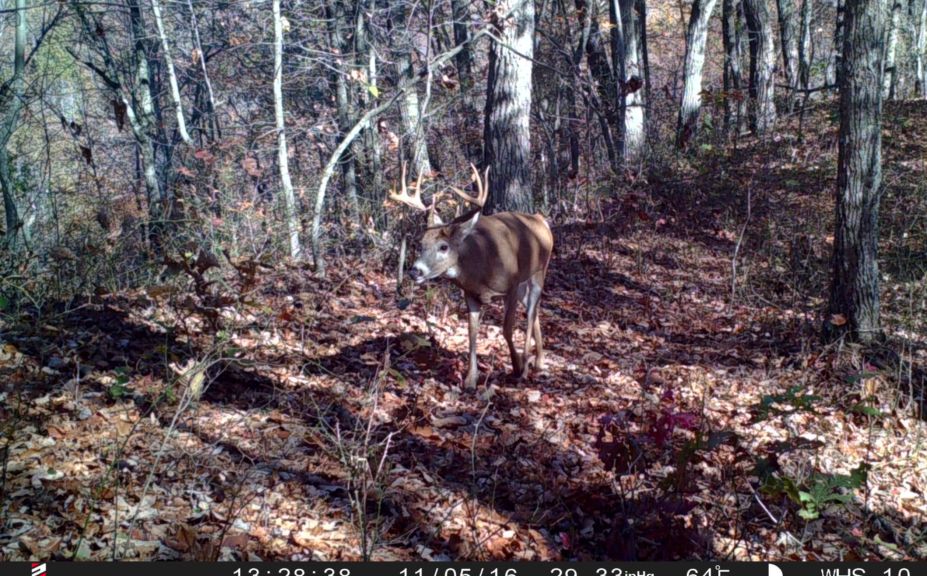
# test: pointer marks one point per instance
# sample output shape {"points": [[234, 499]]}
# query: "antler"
{"points": [[482, 189], [414, 200]]}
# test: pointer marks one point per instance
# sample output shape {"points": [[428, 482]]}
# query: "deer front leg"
{"points": [[473, 326]]}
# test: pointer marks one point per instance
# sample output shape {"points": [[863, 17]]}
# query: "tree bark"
{"points": [[854, 301], [619, 61], [835, 71], [409, 107], [12, 102], [762, 66], [366, 58], [289, 200], [507, 115], [634, 135], [337, 17], [645, 61], [143, 119], [696, 40], [735, 100], [460, 10], [789, 42], [890, 80], [172, 76], [920, 50], [591, 42], [805, 46]]}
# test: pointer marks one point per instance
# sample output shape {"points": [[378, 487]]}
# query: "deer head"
{"points": [[440, 245]]}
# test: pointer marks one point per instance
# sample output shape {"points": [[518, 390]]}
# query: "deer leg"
{"points": [[538, 280], [538, 342], [532, 297], [508, 328], [473, 326]]}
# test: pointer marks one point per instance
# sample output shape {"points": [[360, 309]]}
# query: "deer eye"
{"points": [[443, 247]]}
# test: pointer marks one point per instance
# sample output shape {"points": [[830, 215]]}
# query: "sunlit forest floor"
{"points": [[688, 408]]}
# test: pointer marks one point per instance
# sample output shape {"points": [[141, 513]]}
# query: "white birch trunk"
{"points": [[289, 200]]}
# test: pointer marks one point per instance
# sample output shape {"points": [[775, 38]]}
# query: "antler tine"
{"points": [[414, 199], [482, 191]]}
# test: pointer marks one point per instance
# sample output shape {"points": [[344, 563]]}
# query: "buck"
{"points": [[500, 255]]}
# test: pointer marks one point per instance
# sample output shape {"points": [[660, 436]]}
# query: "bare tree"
{"points": [[805, 46], [337, 20], [592, 43], [696, 40], [171, 74], [919, 48], [789, 41], [836, 61], [410, 112], [854, 299], [12, 94], [460, 12], [890, 80], [762, 65], [732, 19], [634, 135], [289, 200], [507, 140]]}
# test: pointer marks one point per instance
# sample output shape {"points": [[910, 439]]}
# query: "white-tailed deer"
{"points": [[502, 255]]}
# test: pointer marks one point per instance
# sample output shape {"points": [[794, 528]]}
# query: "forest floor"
{"points": [[681, 414]]}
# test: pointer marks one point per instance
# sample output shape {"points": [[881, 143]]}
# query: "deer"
{"points": [[502, 255]]}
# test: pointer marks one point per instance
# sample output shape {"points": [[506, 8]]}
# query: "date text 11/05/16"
{"points": [[554, 571]]}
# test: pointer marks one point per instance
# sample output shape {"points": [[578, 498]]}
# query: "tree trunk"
{"points": [[619, 61], [143, 119], [289, 200], [367, 60], [696, 40], [920, 50], [762, 66], [12, 102], [592, 43], [854, 301], [805, 46], [834, 75], [337, 17], [734, 85], [634, 136], [890, 80], [460, 10], [508, 108], [789, 40], [413, 129], [172, 76], [645, 61]]}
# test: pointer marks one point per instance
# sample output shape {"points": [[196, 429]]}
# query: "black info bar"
{"points": [[463, 569]]}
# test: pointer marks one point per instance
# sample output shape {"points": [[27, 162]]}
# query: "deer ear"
{"points": [[465, 227], [433, 218]]}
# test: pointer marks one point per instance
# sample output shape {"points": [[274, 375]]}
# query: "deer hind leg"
{"points": [[532, 296], [508, 327]]}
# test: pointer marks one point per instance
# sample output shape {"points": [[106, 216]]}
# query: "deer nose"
{"points": [[415, 273]]}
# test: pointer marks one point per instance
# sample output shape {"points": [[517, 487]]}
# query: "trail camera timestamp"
{"points": [[287, 571]]}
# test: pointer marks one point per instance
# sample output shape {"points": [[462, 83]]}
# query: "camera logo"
{"points": [[39, 569]]}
